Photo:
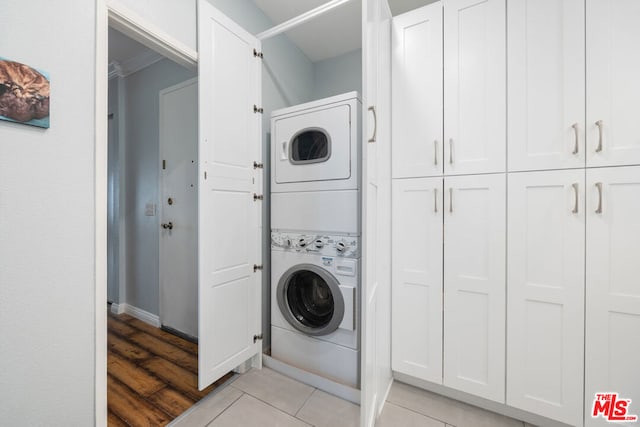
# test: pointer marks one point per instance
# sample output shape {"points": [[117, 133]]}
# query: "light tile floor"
{"points": [[267, 398]]}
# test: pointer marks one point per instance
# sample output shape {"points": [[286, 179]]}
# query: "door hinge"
{"points": [[257, 110], [257, 337], [257, 165], [164, 164], [257, 267], [257, 197], [258, 54]]}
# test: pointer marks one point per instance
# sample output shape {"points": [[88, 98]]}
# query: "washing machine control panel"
{"points": [[318, 244]]}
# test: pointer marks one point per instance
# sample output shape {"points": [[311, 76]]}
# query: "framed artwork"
{"points": [[24, 94]]}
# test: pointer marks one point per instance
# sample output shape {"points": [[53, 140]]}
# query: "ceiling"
{"points": [[122, 48], [334, 33]]}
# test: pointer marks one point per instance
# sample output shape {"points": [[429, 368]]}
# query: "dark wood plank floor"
{"points": [[152, 374]]}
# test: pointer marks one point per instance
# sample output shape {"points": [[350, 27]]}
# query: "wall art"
{"points": [[24, 94]]}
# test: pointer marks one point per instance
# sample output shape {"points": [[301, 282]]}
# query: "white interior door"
{"points": [[179, 207], [229, 218], [376, 211], [545, 306]]}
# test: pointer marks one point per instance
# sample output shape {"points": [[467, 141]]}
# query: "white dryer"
{"points": [[315, 166], [314, 304], [315, 146]]}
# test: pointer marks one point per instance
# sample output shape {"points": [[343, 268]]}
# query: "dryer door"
{"points": [[310, 299], [313, 146]]}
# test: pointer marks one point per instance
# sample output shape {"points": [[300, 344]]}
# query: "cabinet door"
{"points": [[546, 60], [613, 286], [474, 285], [613, 86], [545, 288], [417, 278], [417, 92], [474, 86]]}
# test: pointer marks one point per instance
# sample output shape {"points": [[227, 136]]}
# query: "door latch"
{"points": [[257, 197], [257, 165], [257, 109], [168, 226], [257, 337], [257, 267]]}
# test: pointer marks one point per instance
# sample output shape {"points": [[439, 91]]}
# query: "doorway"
{"points": [[152, 146]]}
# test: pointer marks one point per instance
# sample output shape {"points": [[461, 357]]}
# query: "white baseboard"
{"points": [[117, 308], [136, 312], [343, 391], [488, 405]]}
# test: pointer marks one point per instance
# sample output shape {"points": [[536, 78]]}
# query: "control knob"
{"points": [[341, 247], [287, 242], [302, 242], [318, 244]]}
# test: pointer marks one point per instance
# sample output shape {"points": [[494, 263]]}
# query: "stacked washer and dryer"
{"points": [[315, 237]]}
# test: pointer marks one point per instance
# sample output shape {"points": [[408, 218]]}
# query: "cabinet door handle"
{"points": [[435, 200], [599, 187], [450, 151], [576, 147], [283, 153], [375, 124], [451, 199], [575, 191], [435, 151], [599, 147]]}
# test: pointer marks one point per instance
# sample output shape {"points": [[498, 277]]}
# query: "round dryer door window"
{"points": [[310, 299]]}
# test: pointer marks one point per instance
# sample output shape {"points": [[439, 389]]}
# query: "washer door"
{"points": [[310, 299]]}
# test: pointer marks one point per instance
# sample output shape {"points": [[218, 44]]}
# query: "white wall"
{"points": [[338, 75], [142, 171], [47, 219]]}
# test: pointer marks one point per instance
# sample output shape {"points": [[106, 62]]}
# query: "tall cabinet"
{"points": [[448, 191], [613, 287], [554, 202]]}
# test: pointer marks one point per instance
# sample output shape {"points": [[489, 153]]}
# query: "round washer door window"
{"points": [[310, 299]]}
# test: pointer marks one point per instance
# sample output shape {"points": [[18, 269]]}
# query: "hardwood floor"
{"points": [[152, 374]]}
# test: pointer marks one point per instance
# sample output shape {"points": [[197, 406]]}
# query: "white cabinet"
{"points": [[417, 92], [469, 267], [417, 278], [546, 84], [452, 123], [474, 285], [613, 87], [474, 86], [549, 43], [613, 286], [545, 288]]}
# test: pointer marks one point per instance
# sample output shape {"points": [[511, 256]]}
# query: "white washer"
{"points": [[315, 146], [314, 304]]}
